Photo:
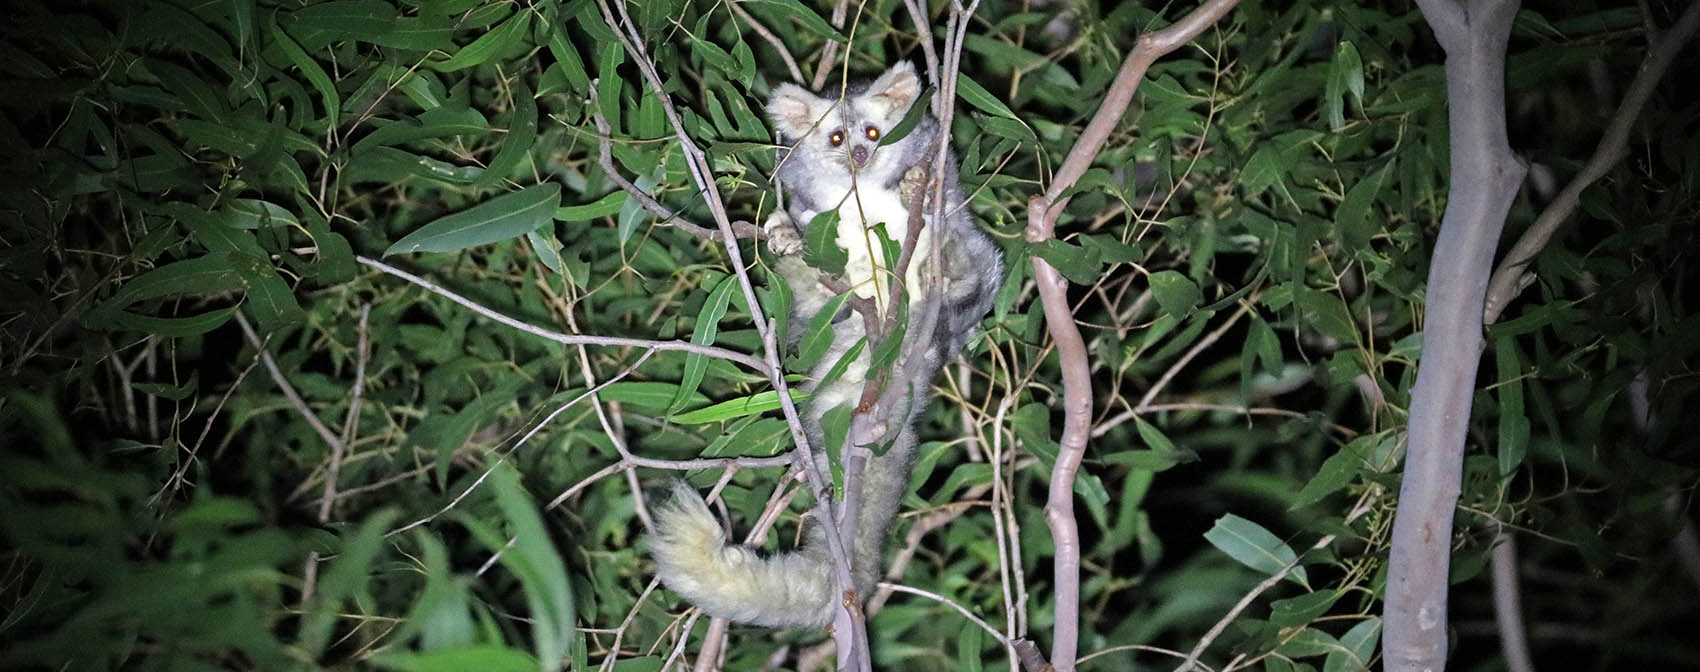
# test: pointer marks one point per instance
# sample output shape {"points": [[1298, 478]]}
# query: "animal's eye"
{"points": [[873, 133], [837, 138]]}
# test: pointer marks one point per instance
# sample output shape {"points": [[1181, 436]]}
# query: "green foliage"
{"points": [[1251, 244]]}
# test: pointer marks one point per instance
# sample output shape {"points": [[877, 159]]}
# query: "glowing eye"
{"points": [[837, 138], [873, 133]]}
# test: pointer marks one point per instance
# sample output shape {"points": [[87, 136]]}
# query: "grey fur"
{"points": [[798, 588]]}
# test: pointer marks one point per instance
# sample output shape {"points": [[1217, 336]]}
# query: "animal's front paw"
{"points": [[781, 234]]}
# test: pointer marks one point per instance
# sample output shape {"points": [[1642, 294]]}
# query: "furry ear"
{"points": [[793, 110], [897, 88]]}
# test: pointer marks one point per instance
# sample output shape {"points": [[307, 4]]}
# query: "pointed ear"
{"points": [[793, 110], [897, 88]]}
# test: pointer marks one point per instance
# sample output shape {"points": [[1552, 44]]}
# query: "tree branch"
{"points": [[295, 401], [830, 52], [976, 620], [1508, 606], [1485, 176], [1042, 213], [1614, 145]]}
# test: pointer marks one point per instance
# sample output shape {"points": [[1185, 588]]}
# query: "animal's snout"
{"points": [[859, 154]]}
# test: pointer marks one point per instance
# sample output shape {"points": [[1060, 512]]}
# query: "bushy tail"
{"points": [[781, 590]]}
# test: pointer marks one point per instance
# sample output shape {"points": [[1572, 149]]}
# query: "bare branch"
{"points": [[620, 632], [1077, 428], [1484, 176], [1141, 647], [1508, 606], [567, 339], [1104, 427], [924, 35], [830, 51], [1614, 145], [1042, 213], [898, 587], [1146, 51]]}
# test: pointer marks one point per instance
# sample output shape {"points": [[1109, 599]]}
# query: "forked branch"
{"points": [[1042, 213]]}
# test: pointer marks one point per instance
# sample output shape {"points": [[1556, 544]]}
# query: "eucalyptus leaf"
{"points": [[1255, 547], [507, 36], [500, 218]]}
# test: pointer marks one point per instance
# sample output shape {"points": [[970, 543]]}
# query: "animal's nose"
{"points": [[860, 155]]}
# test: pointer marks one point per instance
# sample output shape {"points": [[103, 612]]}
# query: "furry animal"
{"points": [[834, 160]]}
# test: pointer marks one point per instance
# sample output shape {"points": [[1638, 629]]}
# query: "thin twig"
{"points": [[924, 35], [566, 339], [1203, 343], [620, 632], [362, 353], [452, 502], [633, 462], [615, 438], [295, 401], [684, 636], [1104, 427], [898, 587], [778, 45], [1140, 647], [591, 393], [180, 476], [668, 217]]}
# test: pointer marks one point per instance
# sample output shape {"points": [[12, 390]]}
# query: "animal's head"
{"points": [[843, 137]]}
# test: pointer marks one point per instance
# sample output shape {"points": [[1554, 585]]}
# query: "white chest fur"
{"points": [[866, 268]]}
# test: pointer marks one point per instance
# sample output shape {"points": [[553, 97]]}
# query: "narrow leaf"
{"points": [[1255, 547], [609, 204], [1359, 643], [1303, 609], [1352, 219], [978, 96], [309, 68], [522, 135], [760, 402], [500, 218], [707, 325], [507, 35], [795, 10], [818, 337]]}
